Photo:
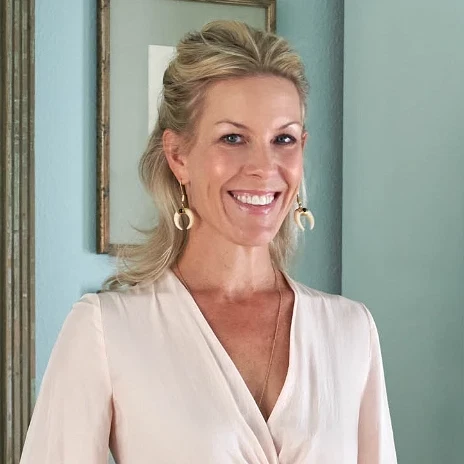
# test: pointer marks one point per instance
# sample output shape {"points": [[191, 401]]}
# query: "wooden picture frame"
{"points": [[201, 11], [17, 261]]}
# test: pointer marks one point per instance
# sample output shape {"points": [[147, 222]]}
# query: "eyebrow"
{"points": [[243, 126]]}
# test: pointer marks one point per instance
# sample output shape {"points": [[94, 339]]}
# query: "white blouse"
{"points": [[143, 372]]}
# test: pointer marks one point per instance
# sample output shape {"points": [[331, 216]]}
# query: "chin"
{"points": [[254, 239]]}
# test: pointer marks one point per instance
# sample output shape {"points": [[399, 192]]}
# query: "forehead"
{"points": [[257, 98]]}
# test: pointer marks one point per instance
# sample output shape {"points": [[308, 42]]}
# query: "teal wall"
{"points": [[65, 140], [315, 28], [403, 209]]}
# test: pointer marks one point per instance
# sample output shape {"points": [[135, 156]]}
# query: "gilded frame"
{"points": [[17, 247], [103, 109]]}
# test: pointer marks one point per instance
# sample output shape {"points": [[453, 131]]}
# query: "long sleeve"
{"points": [[375, 435], [72, 417]]}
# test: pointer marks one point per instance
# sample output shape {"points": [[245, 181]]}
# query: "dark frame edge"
{"points": [[103, 125]]}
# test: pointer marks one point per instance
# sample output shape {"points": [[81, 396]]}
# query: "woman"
{"points": [[203, 350]]}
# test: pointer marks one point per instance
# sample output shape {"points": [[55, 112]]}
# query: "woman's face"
{"points": [[243, 172]]}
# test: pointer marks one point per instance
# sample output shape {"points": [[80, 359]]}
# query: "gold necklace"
{"points": [[275, 333]]}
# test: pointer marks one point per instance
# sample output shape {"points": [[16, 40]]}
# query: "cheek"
{"points": [[216, 168], [209, 173], [220, 168], [293, 166]]}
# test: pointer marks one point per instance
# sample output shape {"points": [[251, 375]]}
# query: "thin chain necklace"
{"points": [[275, 333]]}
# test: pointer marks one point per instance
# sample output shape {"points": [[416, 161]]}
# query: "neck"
{"points": [[231, 270]]}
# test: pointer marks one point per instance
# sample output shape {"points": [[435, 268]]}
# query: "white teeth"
{"points": [[255, 199]]}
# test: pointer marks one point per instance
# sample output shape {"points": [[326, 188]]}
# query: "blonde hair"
{"points": [[220, 50]]}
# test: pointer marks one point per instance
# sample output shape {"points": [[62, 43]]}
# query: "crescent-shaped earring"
{"points": [[300, 211], [183, 210]]}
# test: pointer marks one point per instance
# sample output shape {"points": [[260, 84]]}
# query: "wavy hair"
{"points": [[220, 50]]}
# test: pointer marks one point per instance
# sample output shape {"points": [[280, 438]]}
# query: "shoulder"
{"points": [[84, 313], [122, 298], [333, 309], [126, 314], [81, 332], [90, 313], [138, 298]]}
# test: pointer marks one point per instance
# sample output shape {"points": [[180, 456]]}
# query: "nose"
{"points": [[260, 160]]}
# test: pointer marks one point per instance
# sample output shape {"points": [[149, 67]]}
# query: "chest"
{"points": [[252, 334], [175, 387]]}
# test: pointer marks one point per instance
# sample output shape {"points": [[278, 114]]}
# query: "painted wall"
{"points": [[65, 138], [315, 28], [403, 209]]}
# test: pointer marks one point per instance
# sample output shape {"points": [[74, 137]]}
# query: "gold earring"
{"points": [[300, 211], [183, 210]]}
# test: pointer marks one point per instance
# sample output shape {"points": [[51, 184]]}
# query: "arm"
{"points": [[73, 412], [375, 435]]}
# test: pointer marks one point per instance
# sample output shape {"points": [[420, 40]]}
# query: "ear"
{"points": [[304, 139], [175, 155]]}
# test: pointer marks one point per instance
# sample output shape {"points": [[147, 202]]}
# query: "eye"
{"points": [[285, 139], [232, 139]]}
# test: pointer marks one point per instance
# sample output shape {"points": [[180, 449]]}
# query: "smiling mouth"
{"points": [[253, 199]]}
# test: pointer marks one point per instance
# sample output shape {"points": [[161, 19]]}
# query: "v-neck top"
{"points": [[142, 372]]}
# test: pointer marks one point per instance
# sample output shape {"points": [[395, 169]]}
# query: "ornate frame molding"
{"points": [[17, 246]]}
